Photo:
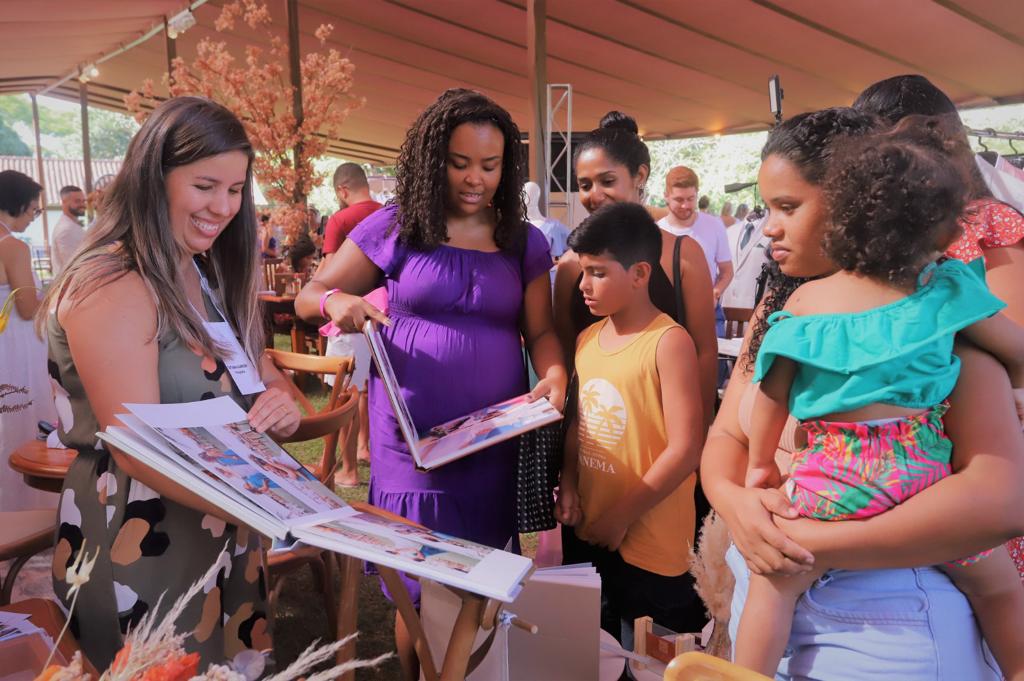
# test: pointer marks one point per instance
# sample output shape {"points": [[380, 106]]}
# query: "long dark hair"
{"points": [[133, 233], [806, 141], [422, 176]]}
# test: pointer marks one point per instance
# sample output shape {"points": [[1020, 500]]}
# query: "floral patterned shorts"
{"points": [[857, 470]]}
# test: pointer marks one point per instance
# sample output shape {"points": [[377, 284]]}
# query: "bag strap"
{"points": [[521, 253], [677, 280]]}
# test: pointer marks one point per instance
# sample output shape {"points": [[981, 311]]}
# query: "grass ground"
{"points": [[300, 617]]}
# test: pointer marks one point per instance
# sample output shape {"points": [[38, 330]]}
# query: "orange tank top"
{"points": [[621, 434]]}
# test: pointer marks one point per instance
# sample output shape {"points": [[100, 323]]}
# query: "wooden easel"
{"points": [[477, 612]]}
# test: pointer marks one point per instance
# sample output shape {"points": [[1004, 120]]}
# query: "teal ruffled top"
{"points": [[899, 354]]}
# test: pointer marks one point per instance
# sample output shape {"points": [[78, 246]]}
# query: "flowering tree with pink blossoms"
{"points": [[258, 91]]}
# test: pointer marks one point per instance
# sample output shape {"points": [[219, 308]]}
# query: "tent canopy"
{"points": [[682, 67]]}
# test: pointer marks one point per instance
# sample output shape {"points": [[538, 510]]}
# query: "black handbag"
{"points": [[538, 465], [537, 468], [539, 459]]}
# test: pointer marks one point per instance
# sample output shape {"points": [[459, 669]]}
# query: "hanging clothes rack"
{"points": [[995, 134], [1015, 159]]}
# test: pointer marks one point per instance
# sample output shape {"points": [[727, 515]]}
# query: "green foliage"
{"points": [[718, 161], [10, 143], [18, 109], [109, 131]]}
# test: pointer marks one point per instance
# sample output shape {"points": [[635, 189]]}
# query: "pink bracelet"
{"points": [[323, 301]]}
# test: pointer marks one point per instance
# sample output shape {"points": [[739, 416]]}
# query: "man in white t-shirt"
{"points": [[68, 233], [681, 187]]}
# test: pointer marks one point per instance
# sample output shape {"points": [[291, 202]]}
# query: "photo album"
{"points": [[210, 448], [461, 436]]}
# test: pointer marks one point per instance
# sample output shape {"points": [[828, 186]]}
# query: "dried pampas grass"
{"points": [[154, 649], [714, 582]]}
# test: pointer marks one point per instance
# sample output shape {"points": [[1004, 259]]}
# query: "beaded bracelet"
{"points": [[323, 301]]}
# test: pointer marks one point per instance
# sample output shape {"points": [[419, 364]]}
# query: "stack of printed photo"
{"points": [[209, 447]]}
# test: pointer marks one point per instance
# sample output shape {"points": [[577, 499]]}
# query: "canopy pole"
{"points": [[83, 98], [171, 50], [536, 55], [42, 176], [296, 77]]}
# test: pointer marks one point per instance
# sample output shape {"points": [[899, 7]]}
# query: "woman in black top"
{"points": [[613, 165]]}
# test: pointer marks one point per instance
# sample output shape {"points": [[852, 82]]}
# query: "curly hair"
{"points": [[422, 171], [896, 98], [894, 199], [807, 141], [776, 288]]}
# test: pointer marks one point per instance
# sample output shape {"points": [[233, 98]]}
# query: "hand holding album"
{"points": [[464, 435], [212, 448]]}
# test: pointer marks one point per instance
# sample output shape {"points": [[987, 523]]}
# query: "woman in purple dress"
{"points": [[466, 278]]}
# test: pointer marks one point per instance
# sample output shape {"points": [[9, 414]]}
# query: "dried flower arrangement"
{"points": [[154, 650], [714, 582], [256, 91]]}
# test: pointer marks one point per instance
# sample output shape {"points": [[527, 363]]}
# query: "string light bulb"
{"points": [[180, 23], [88, 72]]}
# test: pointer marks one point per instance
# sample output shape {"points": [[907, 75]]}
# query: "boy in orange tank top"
{"points": [[635, 441]]}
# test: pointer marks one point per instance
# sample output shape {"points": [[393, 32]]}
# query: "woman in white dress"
{"points": [[25, 395]]}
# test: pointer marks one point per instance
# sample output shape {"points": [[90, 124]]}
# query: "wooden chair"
{"points": [[268, 277], [694, 666], [335, 423], [736, 320], [23, 534]]}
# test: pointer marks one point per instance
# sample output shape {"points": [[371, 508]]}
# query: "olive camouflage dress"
{"points": [[150, 546]]}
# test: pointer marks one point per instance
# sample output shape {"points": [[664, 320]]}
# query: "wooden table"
{"points": [[301, 330], [41, 467], [48, 617]]}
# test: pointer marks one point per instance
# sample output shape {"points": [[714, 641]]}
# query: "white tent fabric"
{"points": [[681, 67]]}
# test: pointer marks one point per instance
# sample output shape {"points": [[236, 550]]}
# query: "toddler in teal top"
{"points": [[864, 359]]}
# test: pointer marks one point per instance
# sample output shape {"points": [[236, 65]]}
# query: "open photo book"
{"points": [[462, 436], [209, 448]]}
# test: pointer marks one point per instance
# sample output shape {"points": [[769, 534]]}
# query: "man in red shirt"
{"points": [[353, 193]]}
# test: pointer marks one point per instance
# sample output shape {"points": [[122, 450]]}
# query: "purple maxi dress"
{"points": [[455, 347]]}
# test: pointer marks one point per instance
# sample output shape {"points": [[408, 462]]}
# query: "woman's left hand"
{"points": [[551, 388], [275, 412]]}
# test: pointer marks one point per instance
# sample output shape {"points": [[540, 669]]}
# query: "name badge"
{"points": [[243, 373]]}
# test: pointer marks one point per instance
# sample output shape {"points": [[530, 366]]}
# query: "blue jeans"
{"points": [[905, 624]]}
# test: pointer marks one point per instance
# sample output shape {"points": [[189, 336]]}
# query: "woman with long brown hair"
{"points": [[613, 165], [172, 259]]}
